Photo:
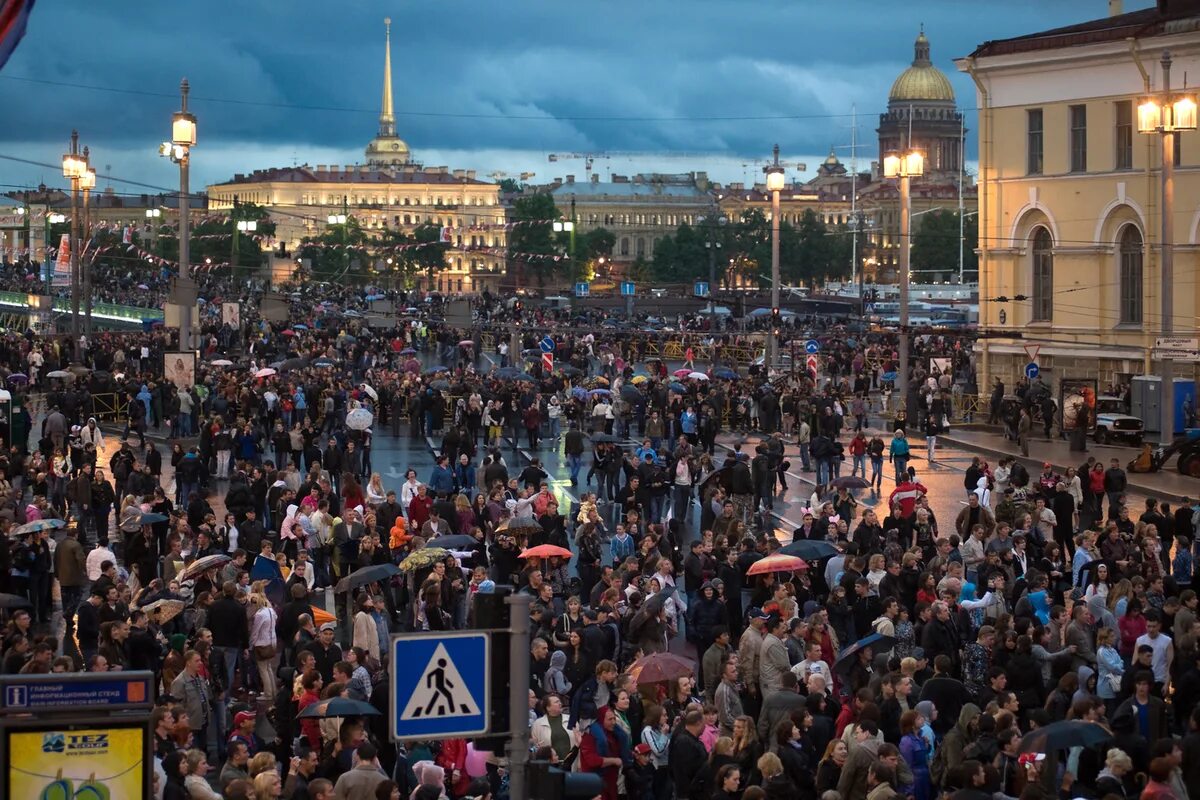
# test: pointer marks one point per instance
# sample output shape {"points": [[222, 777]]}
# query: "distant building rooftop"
{"points": [[356, 173]]}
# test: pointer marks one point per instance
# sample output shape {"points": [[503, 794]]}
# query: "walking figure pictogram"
{"points": [[442, 687]]}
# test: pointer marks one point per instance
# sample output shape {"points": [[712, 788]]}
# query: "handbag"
{"points": [[264, 652]]}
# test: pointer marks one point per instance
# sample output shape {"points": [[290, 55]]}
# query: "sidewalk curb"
{"points": [[1035, 467]]}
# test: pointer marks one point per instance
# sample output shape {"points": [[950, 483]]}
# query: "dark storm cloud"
{"points": [[537, 75]]}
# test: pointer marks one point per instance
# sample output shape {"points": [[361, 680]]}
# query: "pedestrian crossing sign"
{"points": [[440, 685]]}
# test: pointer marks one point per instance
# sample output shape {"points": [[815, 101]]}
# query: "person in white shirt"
{"points": [[812, 664], [95, 558], [408, 490], [1161, 644]]}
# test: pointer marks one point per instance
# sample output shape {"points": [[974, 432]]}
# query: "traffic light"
{"points": [[491, 613], [551, 783]]}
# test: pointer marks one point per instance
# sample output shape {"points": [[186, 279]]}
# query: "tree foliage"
{"points": [[211, 239], [533, 234], [935, 244]]}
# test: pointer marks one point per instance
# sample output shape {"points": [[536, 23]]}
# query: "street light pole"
{"points": [[1167, 115], [775, 180], [179, 150], [87, 183], [904, 166]]}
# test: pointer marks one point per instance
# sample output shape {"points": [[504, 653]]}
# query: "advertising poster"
{"points": [[180, 369], [62, 263], [102, 763], [231, 315], [1076, 394], [939, 366]]}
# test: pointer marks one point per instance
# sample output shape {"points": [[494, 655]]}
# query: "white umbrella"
{"points": [[374, 395], [222, 362], [697, 376], [61, 374], [359, 419], [265, 372]]}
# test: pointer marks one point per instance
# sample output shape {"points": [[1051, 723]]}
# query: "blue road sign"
{"points": [[627, 289], [440, 685], [812, 347], [701, 289], [547, 344], [1032, 370], [61, 692], [583, 289]]}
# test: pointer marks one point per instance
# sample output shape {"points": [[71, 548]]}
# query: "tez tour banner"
{"points": [[62, 265], [106, 763]]}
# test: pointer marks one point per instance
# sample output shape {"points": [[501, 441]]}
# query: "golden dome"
{"points": [[922, 81]]}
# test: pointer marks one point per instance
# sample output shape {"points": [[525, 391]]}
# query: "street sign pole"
{"points": [[518, 743]]}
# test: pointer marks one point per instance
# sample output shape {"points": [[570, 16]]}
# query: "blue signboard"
{"points": [[440, 685], [1032, 370], [812, 347], [72, 691], [627, 289], [701, 289], [547, 344], [583, 289]]}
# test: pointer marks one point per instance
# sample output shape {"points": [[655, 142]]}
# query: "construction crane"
{"points": [[499, 176], [587, 158]]}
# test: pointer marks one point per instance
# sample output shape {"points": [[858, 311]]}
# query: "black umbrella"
{"points": [[604, 438], [453, 542], [13, 601], [1064, 735], [876, 641], [849, 482], [721, 475], [339, 707], [809, 549], [293, 363], [439, 385], [361, 577], [630, 393], [570, 371]]}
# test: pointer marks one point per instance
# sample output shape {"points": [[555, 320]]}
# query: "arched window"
{"points": [[1043, 276], [1130, 242]]}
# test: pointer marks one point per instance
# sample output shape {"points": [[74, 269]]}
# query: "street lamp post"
{"points": [[1166, 115], [239, 226], [342, 219], [568, 226], [179, 150], [51, 219], [713, 245], [74, 166], [775, 181], [904, 166], [152, 217], [87, 183]]}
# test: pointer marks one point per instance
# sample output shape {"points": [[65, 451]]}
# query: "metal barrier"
{"points": [[106, 406]]}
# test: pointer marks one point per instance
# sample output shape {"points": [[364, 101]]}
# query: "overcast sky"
{"points": [[496, 87]]}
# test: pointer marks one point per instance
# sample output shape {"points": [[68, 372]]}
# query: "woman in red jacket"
{"points": [[453, 759], [310, 727], [602, 750]]}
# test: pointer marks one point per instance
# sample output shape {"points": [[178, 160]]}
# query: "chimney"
{"points": [[570, 179], [458, 173], [1114, 8], [333, 168], [557, 182], [595, 177], [470, 174], [320, 167]]}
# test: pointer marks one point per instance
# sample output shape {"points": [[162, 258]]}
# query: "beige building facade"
{"points": [[1070, 196]]}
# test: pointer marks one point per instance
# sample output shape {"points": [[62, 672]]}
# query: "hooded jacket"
{"points": [[951, 752], [554, 680]]}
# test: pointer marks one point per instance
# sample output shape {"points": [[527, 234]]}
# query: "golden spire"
{"points": [[387, 117]]}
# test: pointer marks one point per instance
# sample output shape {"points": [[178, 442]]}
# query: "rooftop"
{"points": [[357, 173]]}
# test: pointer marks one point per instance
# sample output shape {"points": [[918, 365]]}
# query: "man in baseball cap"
{"points": [[243, 731]]}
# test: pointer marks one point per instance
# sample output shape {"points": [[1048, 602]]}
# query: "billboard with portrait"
{"points": [[72, 761], [1075, 394], [231, 314], [180, 369]]}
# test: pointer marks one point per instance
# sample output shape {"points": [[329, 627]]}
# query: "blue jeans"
{"points": [[901, 468], [860, 465], [877, 471], [229, 659], [805, 459], [824, 471], [574, 463]]}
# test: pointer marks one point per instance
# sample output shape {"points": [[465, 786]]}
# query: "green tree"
{"points": [[598, 242], [935, 243], [211, 240], [533, 235], [679, 258]]}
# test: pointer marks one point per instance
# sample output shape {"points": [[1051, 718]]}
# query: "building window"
{"points": [[641, 247], [1043, 276], [624, 245], [1078, 117], [1034, 141], [1124, 111], [1131, 275]]}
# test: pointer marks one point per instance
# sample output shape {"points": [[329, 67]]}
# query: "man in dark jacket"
{"points": [[231, 632], [687, 758]]}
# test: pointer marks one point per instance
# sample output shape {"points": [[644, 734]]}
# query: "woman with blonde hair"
{"points": [[263, 642], [1118, 597], [260, 763], [197, 785], [267, 785], [376, 494]]}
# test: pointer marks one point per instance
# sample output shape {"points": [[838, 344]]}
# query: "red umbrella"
{"points": [[545, 551], [776, 563], [681, 373], [661, 667], [466, 343], [289, 332]]}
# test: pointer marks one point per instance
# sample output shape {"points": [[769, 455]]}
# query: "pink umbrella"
{"points": [[681, 373]]}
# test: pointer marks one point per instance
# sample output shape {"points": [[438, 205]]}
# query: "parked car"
{"points": [[1112, 423]]}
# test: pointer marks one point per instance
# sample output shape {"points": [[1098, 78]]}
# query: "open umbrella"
{"points": [[339, 707], [435, 370], [13, 601], [18, 377], [152, 517], [39, 525], [300, 327], [725, 374], [523, 376], [660, 667], [322, 363], [545, 551], [374, 395], [440, 385], [638, 380], [876, 641], [466, 343], [604, 438], [163, 611], [203, 565], [600, 393], [424, 557], [776, 563], [697, 376], [809, 549], [361, 577], [681, 373], [221, 362], [1063, 735], [630, 393], [677, 388], [359, 419], [61, 374], [458, 541], [265, 372], [579, 393], [288, 333], [849, 482], [596, 382], [294, 363], [570, 371]]}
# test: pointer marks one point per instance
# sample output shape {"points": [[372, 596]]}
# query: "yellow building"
{"points": [[1070, 204], [389, 191]]}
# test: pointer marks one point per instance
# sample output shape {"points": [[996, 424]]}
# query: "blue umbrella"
{"points": [[888, 376], [678, 388], [435, 370], [809, 549], [300, 327], [18, 377], [579, 393], [876, 641], [601, 392], [408, 351], [725, 374], [322, 363], [151, 518], [267, 569]]}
